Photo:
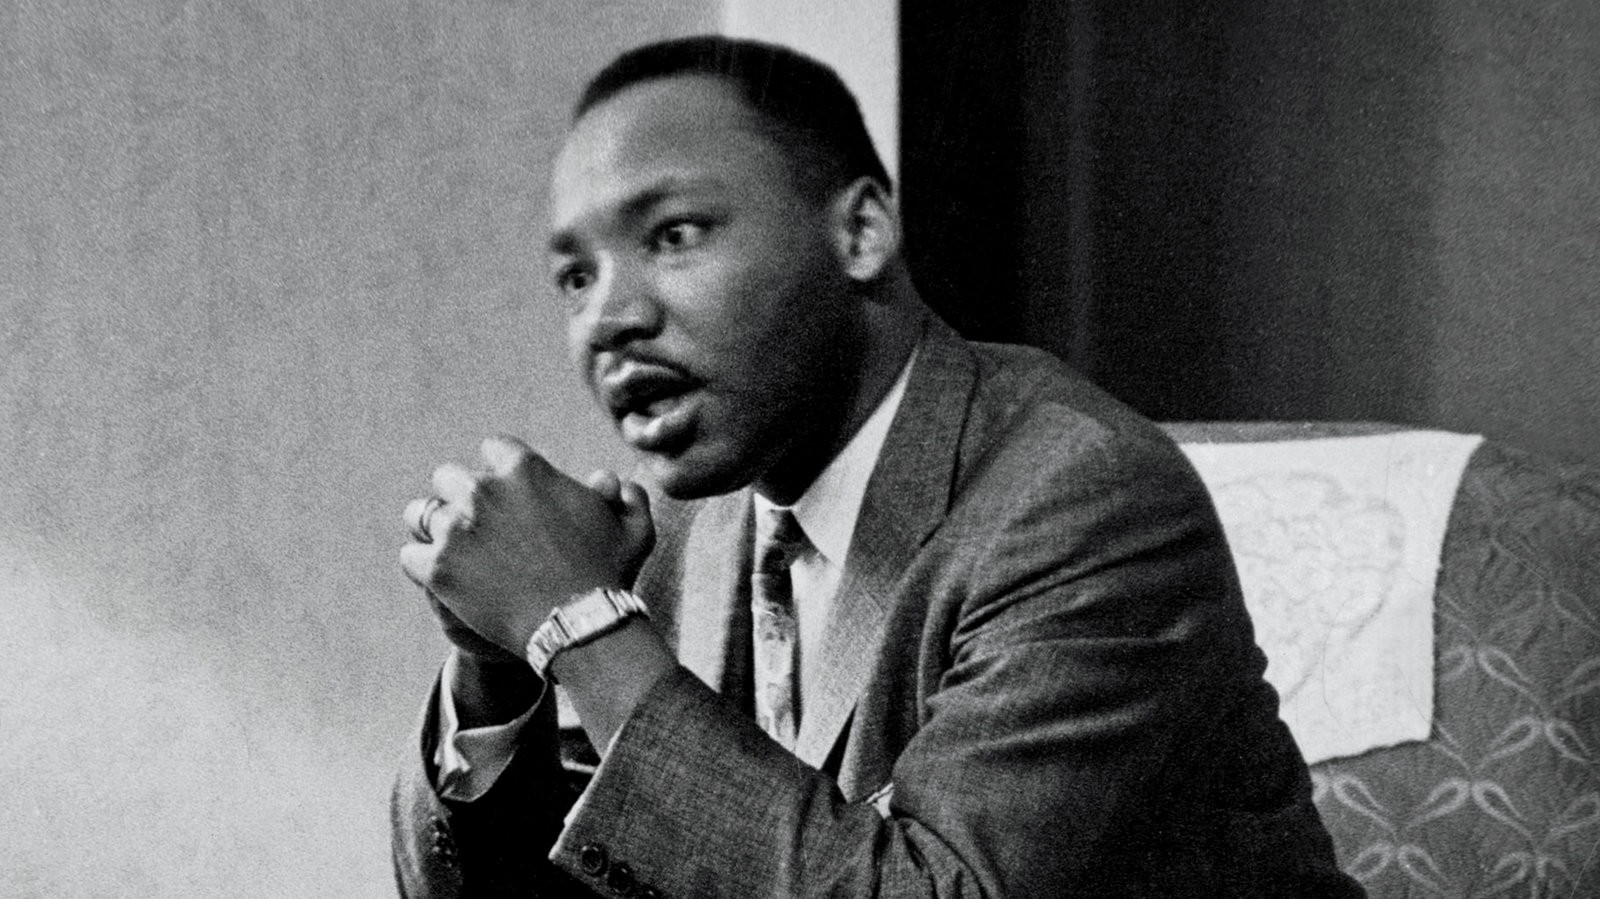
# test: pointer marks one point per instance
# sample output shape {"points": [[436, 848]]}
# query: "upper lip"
{"points": [[632, 384]]}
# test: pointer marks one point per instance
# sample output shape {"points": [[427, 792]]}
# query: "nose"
{"points": [[620, 307]]}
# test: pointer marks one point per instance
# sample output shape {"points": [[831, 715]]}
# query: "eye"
{"points": [[678, 235], [571, 279]]}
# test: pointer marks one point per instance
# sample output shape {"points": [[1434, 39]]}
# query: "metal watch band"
{"points": [[576, 622]]}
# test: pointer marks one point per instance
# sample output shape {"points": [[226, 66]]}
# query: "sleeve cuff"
{"points": [[471, 760]]}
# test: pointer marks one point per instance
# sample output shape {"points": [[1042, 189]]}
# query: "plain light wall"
{"points": [[860, 39], [262, 267]]}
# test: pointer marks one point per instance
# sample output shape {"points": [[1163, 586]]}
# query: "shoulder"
{"points": [[1036, 428], [1059, 483]]}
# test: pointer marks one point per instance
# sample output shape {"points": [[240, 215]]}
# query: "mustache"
{"points": [[608, 365], [630, 381]]}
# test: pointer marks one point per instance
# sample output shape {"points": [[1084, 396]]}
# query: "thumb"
{"points": [[506, 454], [638, 526], [635, 505], [608, 485]]}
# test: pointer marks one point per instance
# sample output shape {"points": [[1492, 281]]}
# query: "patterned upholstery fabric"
{"points": [[1504, 798]]}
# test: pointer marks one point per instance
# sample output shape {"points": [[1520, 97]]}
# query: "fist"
{"points": [[502, 546]]}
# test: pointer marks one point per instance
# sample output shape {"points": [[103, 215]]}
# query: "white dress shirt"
{"points": [[470, 760], [827, 513]]}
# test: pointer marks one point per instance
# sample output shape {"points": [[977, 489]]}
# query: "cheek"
{"points": [[764, 323], [578, 350]]}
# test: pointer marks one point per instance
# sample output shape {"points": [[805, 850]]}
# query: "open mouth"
{"points": [[652, 404]]}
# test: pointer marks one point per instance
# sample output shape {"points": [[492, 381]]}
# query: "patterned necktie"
{"points": [[779, 541]]}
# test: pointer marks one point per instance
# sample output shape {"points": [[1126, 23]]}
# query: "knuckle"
{"points": [[458, 525], [438, 577], [415, 571], [526, 464], [525, 460]]}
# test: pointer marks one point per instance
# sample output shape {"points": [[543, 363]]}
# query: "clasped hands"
{"points": [[506, 544]]}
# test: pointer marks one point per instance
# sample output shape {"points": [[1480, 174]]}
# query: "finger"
{"points": [[419, 561], [638, 528], [635, 499], [635, 514], [607, 484], [456, 486], [417, 515], [431, 520], [506, 455]]}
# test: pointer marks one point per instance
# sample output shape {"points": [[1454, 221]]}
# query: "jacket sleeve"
{"points": [[495, 845], [1081, 644]]}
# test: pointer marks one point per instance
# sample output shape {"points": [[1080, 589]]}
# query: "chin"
{"points": [[688, 475]]}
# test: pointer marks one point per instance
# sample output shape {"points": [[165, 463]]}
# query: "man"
{"points": [[997, 650]]}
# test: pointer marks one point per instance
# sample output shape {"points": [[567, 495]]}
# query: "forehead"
{"points": [[678, 130]]}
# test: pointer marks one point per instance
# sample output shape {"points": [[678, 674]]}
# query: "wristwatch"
{"points": [[574, 623]]}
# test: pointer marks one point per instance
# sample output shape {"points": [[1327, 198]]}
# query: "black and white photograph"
{"points": [[762, 449]]}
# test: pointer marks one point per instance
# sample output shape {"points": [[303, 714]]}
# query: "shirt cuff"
{"points": [[471, 760]]}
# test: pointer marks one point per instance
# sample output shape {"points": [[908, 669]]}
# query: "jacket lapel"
{"points": [[907, 496], [713, 615]]}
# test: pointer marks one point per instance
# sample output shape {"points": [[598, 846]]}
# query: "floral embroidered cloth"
{"points": [[1503, 798], [1338, 542]]}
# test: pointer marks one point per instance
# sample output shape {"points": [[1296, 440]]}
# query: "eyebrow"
{"points": [[565, 242]]}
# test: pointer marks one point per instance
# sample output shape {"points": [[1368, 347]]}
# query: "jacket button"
{"points": [[442, 845], [592, 858], [621, 880]]}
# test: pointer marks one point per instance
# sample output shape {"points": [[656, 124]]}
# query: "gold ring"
{"points": [[420, 528]]}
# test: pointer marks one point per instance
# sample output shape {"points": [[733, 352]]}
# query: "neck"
{"points": [[893, 325]]}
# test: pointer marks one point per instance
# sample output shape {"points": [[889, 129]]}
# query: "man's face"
{"points": [[709, 312]]}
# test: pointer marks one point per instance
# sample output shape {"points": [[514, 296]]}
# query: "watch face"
{"points": [[591, 615], [586, 615]]}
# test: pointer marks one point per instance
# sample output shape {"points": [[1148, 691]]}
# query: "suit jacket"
{"points": [[1038, 680]]}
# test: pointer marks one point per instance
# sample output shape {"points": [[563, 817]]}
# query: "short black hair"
{"points": [[804, 105]]}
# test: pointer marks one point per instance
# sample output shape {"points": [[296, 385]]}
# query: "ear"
{"points": [[866, 228]]}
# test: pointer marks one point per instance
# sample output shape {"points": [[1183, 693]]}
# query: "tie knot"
{"points": [[779, 540]]}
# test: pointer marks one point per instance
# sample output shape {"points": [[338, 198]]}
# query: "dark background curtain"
{"points": [[1341, 210]]}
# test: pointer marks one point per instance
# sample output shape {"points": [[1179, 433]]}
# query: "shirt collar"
{"points": [[828, 510]]}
